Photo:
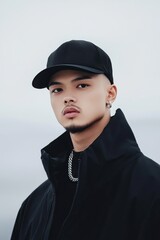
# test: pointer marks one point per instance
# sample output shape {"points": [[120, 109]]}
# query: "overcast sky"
{"points": [[128, 30]]}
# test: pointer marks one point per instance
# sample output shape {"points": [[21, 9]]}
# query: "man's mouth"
{"points": [[70, 111]]}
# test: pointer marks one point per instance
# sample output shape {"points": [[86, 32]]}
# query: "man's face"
{"points": [[79, 99]]}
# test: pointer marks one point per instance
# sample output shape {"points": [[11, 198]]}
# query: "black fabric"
{"points": [[117, 195], [65, 191]]}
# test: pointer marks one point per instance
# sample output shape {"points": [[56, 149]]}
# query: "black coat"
{"points": [[117, 196]]}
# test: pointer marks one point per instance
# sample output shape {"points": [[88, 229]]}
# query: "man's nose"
{"points": [[70, 99]]}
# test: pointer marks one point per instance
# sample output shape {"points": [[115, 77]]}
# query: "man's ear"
{"points": [[112, 93]]}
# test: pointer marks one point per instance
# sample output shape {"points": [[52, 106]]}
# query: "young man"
{"points": [[100, 186]]}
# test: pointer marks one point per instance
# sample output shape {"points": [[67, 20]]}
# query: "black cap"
{"points": [[76, 55]]}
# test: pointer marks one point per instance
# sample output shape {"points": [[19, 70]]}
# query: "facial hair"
{"points": [[77, 129]]}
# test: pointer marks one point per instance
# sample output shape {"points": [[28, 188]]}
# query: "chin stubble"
{"points": [[76, 129]]}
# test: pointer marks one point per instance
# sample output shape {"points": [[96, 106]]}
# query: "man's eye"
{"points": [[83, 85], [56, 90]]}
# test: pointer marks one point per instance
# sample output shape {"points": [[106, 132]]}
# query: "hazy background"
{"points": [[30, 30]]}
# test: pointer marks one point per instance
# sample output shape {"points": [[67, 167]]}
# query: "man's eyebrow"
{"points": [[83, 77], [54, 83]]}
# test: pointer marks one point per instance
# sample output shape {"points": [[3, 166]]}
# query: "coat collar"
{"points": [[109, 153]]}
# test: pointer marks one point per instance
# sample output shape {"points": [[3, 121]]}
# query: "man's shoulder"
{"points": [[146, 176], [37, 204], [145, 166], [39, 196]]}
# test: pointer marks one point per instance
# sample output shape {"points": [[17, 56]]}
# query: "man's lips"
{"points": [[70, 110]]}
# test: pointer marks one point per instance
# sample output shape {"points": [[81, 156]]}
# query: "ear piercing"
{"points": [[108, 105]]}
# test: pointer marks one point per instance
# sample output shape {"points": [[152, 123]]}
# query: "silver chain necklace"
{"points": [[73, 179]]}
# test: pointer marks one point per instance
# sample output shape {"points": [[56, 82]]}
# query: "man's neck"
{"points": [[82, 140]]}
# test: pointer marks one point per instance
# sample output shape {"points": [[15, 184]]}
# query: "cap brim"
{"points": [[41, 80]]}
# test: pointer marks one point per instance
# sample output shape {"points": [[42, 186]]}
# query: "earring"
{"points": [[108, 105]]}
